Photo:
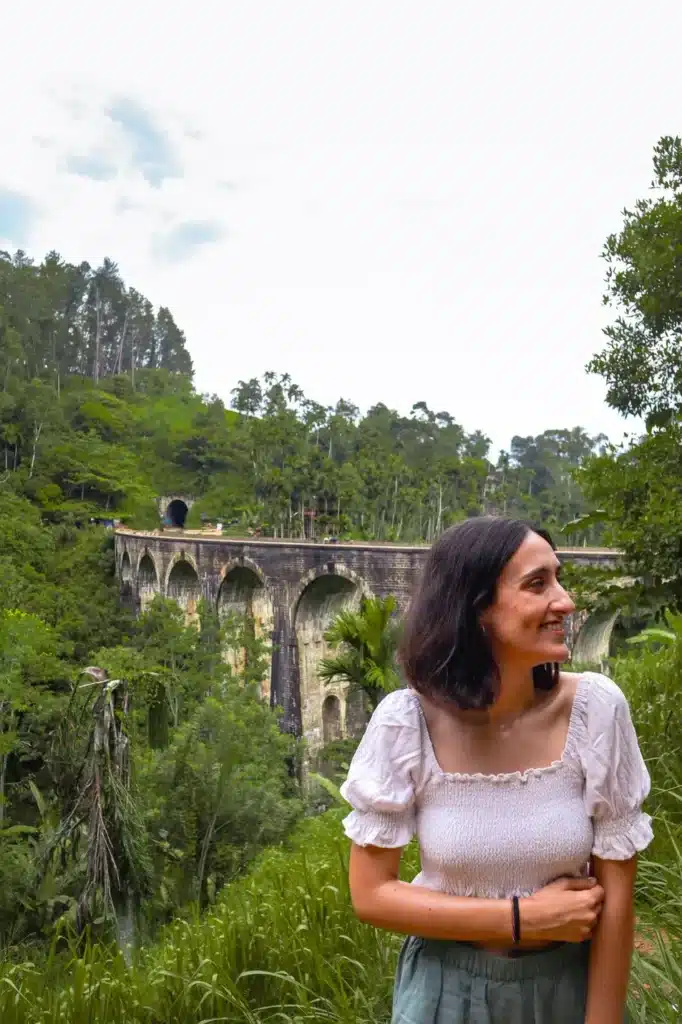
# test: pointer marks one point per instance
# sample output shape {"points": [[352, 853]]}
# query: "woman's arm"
{"points": [[612, 942], [381, 899], [566, 910]]}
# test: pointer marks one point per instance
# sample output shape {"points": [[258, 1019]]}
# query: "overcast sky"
{"points": [[391, 201]]}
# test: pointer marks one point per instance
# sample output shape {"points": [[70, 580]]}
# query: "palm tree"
{"points": [[102, 818], [366, 659]]}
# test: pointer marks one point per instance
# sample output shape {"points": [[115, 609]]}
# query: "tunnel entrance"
{"points": [[320, 603], [245, 612], [176, 513]]}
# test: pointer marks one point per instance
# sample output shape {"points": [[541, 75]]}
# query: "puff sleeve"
{"points": [[616, 778], [383, 775]]}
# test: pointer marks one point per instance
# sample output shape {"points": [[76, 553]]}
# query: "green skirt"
{"points": [[440, 982]]}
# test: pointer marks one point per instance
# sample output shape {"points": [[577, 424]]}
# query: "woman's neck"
{"points": [[516, 696], [516, 693]]}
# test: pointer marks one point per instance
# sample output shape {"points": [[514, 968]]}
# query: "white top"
{"points": [[498, 836]]}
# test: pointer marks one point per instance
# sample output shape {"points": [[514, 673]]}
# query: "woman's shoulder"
{"points": [[399, 708], [601, 691], [598, 705], [591, 685], [391, 744]]}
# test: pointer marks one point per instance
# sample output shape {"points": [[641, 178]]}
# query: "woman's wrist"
{"points": [[529, 924]]}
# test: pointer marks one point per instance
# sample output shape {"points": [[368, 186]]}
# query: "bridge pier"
{"points": [[284, 672]]}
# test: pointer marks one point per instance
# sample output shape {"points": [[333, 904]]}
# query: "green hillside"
{"points": [[98, 415]]}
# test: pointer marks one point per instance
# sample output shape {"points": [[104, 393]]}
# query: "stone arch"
{"points": [[176, 513], [147, 580], [244, 563], [593, 642], [336, 569], [320, 600], [244, 595], [126, 570], [331, 719], [183, 586], [181, 556]]}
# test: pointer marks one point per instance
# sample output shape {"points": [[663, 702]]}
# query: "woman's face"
{"points": [[525, 623]]}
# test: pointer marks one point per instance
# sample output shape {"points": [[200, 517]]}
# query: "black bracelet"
{"points": [[516, 921]]}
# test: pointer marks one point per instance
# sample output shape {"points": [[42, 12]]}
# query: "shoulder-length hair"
{"points": [[444, 650]]}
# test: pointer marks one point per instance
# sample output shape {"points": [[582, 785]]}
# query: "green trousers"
{"points": [[440, 982]]}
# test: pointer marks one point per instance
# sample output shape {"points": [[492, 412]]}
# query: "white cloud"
{"points": [[398, 201]]}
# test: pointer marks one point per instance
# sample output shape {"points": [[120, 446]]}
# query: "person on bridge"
{"points": [[524, 786]]}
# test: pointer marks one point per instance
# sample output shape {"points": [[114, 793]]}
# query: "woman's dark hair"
{"points": [[444, 650]]}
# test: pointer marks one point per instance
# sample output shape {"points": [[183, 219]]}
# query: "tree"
{"points": [[170, 349], [248, 396], [367, 640], [637, 487], [639, 493], [536, 478], [101, 828], [642, 361], [28, 663], [218, 793], [70, 319]]}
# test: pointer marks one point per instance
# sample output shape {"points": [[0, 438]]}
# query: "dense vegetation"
{"points": [[638, 487], [147, 795], [98, 412], [138, 771]]}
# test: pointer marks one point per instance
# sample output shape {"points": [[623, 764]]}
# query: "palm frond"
{"points": [[345, 666], [366, 641]]}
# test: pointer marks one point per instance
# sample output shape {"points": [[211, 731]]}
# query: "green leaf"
{"points": [[329, 788], [584, 522], [18, 830], [653, 634]]}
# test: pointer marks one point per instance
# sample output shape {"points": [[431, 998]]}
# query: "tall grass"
{"points": [[656, 988], [284, 946]]}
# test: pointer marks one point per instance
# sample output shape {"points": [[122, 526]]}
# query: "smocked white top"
{"points": [[498, 836]]}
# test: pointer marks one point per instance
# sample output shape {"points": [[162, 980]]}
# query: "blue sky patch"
{"points": [[177, 243], [153, 154], [16, 215], [93, 167]]}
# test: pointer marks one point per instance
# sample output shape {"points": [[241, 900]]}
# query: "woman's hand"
{"points": [[564, 911]]}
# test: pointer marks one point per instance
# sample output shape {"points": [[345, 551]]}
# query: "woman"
{"points": [[524, 786]]}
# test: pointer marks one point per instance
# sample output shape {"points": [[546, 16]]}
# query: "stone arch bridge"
{"points": [[291, 590]]}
